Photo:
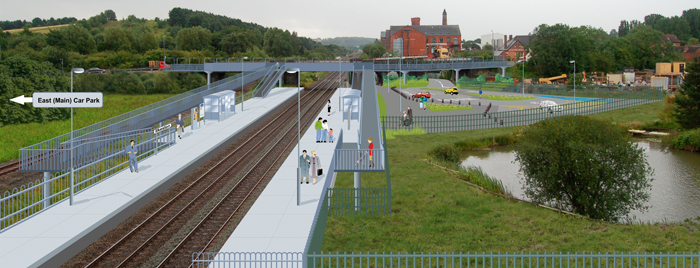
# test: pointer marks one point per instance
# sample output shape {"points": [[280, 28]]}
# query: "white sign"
{"points": [[63, 99], [155, 131]]}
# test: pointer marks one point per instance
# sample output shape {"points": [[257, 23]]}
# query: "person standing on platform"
{"points": [[180, 126], [329, 107], [131, 153], [304, 163], [194, 119], [330, 135], [370, 147], [319, 130], [325, 131], [315, 166]]}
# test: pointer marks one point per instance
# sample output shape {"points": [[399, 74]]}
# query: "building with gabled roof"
{"points": [[422, 40]]}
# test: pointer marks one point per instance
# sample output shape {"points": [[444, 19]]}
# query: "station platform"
{"points": [[275, 223], [53, 236]]}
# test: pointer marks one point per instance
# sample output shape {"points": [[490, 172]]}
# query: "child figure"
{"points": [[330, 135]]}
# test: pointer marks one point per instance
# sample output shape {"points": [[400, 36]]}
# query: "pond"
{"points": [[675, 193]]}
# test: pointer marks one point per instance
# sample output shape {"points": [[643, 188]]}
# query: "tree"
{"points": [[625, 27], [116, 39], [599, 174], [277, 43], [687, 101], [375, 50], [692, 16], [194, 38], [648, 48], [110, 15], [488, 47]]}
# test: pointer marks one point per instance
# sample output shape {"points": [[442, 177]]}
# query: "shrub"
{"points": [[687, 140]]}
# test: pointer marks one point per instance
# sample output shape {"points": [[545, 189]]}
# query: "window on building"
{"points": [[426, 40], [449, 40], [433, 39], [440, 39]]}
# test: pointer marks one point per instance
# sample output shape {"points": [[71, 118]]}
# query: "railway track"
{"points": [[251, 162], [10, 167]]}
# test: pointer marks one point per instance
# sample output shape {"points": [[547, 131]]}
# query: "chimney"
{"points": [[444, 17], [415, 21], [510, 38]]}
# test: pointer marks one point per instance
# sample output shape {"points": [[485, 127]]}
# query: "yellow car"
{"points": [[452, 91]]}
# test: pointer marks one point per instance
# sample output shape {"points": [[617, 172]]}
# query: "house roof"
{"points": [[523, 39], [687, 49], [431, 30], [670, 38]]}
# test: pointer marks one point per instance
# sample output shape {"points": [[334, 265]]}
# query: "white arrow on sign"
{"points": [[22, 99]]}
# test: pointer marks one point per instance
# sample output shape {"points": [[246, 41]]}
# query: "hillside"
{"points": [[348, 42]]}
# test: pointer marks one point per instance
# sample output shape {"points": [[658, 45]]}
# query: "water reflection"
{"points": [[675, 193]]}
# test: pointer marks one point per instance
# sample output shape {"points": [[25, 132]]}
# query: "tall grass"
{"points": [[391, 134], [15, 137]]}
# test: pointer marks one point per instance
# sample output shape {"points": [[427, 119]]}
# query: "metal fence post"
{"points": [[47, 189]]}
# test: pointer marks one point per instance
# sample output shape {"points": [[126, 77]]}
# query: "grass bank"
{"points": [[382, 104], [501, 97], [15, 137], [437, 212], [408, 84], [434, 107]]}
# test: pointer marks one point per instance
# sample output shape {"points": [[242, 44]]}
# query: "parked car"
{"points": [[549, 105], [95, 70], [421, 94], [452, 91]]}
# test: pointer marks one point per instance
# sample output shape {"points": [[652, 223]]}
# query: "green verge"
{"points": [[434, 211], [15, 137], [434, 107], [382, 104], [408, 84], [502, 97]]}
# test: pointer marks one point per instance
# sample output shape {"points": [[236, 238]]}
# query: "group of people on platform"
{"points": [[323, 132]]}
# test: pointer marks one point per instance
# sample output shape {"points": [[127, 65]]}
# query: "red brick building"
{"points": [[515, 47], [671, 38], [689, 52], [422, 40]]}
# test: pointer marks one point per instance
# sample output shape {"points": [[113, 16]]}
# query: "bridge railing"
{"points": [[145, 116], [96, 160]]}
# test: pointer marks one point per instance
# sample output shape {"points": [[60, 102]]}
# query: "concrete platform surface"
{"points": [[43, 236], [275, 223]]}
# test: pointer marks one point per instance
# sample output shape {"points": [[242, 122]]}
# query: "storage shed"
{"points": [[217, 106]]}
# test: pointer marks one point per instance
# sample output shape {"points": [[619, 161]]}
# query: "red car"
{"points": [[421, 94]]}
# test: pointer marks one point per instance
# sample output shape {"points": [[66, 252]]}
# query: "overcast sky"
{"points": [[366, 18]]}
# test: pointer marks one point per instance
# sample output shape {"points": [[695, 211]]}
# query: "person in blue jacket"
{"points": [[131, 153]]}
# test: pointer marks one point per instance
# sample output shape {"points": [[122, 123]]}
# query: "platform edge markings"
{"points": [[76, 244]]}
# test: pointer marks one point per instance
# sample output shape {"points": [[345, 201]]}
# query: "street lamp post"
{"points": [[523, 62], [242, 81], [574, 62], [164, 50], [387, 73], [400, 62], [339, 81], [298, 183], [77, 71]]}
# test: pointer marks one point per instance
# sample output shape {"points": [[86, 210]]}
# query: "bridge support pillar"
{"points": [[357, 190], [455, 77], [279, 82], [503, 71], [47, 189], [404, 76], [208, 79]]}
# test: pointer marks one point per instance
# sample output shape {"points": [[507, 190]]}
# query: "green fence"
{"points": [[593, 91], [476, 260], [358, 202], [446, 123]]}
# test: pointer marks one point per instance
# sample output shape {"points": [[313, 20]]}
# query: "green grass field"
{"points": [[435, 212], [408, 84], [502, 97], [434, 107], [486, 86], [382, 104], [15, 137]]}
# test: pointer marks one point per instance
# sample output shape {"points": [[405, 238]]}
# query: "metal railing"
{"points": [[143, 117], [247, 259], [358, 202], [447, 123], [106, 157], [521, 260]]}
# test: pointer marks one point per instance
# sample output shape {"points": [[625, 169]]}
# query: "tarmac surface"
{"points": [[393, 99]]}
